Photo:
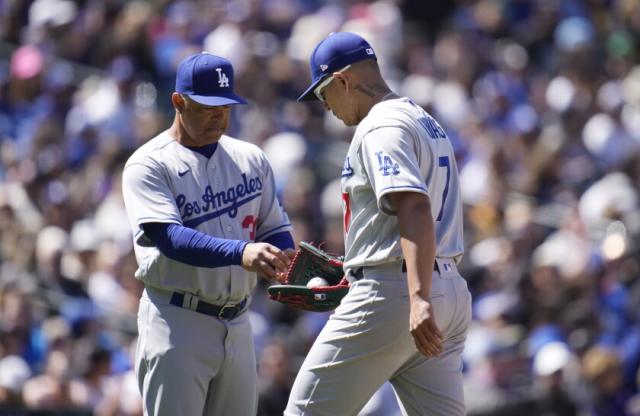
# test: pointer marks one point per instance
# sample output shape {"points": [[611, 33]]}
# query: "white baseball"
{"points": [[317, 281]]}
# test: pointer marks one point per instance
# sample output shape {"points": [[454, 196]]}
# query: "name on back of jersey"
{"points": [[432, 127]]}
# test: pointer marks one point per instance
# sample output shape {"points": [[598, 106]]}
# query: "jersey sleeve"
{"points": [[389, 158], [147, 198], [272, 218]]}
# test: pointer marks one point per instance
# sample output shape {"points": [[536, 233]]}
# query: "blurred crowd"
{"points": [[541, 99]]}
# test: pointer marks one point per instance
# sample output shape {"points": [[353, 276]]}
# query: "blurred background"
{"points": [[541, 99]]}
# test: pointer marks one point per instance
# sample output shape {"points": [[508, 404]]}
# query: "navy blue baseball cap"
{"points": [[207, 79], [333, 53]]}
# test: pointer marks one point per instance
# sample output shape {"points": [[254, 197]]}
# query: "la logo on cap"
{"points": [[223, 80], [207, 79], [324, 67]]}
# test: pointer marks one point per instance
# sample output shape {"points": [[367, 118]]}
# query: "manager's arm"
{"points": [[189, 246]]}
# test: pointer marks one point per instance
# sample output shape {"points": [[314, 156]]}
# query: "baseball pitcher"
{"points": [[406, 314]]}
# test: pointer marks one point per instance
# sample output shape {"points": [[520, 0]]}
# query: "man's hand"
{"points": [[422, 323], [291, 253], [266, 260]]}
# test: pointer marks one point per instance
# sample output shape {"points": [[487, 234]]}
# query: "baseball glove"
{"points": [[308, 263]]}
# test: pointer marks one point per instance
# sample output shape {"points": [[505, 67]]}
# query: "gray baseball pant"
{"points": [[367, 342], [192, 364]]}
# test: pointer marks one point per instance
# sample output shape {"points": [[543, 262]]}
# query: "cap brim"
{"points": [[309, 95], [217, 100]]}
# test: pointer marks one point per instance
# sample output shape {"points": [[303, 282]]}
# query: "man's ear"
{"points": [[177, 101], [342, 78]]}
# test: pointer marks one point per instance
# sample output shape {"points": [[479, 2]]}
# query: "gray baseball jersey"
{"points": [[230, 195], [398, 147]]}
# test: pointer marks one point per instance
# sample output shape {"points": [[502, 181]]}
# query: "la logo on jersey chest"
{"points": [[347, 170]]}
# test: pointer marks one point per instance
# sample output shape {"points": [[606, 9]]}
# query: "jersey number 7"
{"points": [[347, 211], [443, 162]]}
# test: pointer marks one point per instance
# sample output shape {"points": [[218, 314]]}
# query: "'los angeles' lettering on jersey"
{"points": [[229, 195], [229, 199]]}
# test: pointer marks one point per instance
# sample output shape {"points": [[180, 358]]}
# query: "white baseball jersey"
{"points": [[398, 147], [229, 195]]}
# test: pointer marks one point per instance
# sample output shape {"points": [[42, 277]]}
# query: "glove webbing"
{"points": [[313, 267], [292, 266]]}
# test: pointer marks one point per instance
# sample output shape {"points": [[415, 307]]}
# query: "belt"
{"points": [[223, 312], [359, 272]]}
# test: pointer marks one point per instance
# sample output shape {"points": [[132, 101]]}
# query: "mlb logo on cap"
{"points": [[336, 51], [207, 79]]}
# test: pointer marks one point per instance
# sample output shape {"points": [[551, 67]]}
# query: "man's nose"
{"points": [[218, 111]]}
